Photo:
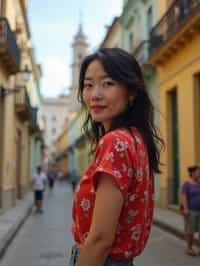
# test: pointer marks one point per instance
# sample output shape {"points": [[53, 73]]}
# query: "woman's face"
{"points": [[196, 175], [104, 97]]}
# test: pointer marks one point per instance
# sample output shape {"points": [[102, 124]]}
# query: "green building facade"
{"points": [[137, 19]]}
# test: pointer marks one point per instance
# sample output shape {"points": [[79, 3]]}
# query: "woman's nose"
{"points": [[96, 94]]}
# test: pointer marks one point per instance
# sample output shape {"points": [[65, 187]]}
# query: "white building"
{"points": [[55, 113]]}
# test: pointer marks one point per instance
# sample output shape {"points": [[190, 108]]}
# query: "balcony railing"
{"points": [[141, 53], [177, 14], [9, 50], [23, 105]]}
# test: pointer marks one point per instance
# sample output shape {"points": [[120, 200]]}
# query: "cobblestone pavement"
{"points": [[46, 239]]}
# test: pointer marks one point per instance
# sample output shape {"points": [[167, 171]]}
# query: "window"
{"points": [[54, 118], [53, 131], [80, 56]]}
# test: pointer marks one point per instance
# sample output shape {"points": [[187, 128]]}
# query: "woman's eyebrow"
{"points": [[88, 78], [100, 77], [104, 77]]}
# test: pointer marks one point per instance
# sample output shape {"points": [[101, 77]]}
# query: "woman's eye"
{"points": [[109, 83], [87, 86]]}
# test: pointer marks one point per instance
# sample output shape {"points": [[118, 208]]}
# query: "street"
{"points": [[46, 239]]}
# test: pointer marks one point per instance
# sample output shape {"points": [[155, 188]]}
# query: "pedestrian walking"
{"points": [[113, 204], [39, 183], [51, 175], [190, 207]]}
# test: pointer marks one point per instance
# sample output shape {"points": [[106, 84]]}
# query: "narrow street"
{"points": [[45, 240]]}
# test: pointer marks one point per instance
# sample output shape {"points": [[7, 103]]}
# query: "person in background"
{"points": [[51, 177], [190, 207], [39, 182], [113, 202]]}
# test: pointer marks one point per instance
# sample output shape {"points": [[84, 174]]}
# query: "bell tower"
{"points": [[80, 50]]}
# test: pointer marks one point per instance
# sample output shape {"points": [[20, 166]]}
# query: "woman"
{"points": [[190, 203], [113, 205]]}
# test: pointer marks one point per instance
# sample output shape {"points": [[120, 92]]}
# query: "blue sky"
{"points": [[54, 24]]}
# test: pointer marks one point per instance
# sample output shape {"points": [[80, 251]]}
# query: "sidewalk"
{"points": [[44, 239], [170, 221], [13, 219]]}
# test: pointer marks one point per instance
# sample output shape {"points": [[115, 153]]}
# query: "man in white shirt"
{"points": [[39, 183]]}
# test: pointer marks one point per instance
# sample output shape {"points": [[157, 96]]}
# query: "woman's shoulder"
{"points": [[118, 139], [187, 184], [121, 140], [122, 134]]}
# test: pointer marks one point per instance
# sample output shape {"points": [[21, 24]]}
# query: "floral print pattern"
{"points": [[123, 156]]}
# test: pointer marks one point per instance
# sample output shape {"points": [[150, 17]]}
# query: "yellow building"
{"points": [[61, 145], [175, 51], [82, 147], [17, 117], [113, 35]]}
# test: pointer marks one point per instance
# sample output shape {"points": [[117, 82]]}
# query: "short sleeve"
{"points": [[185, 188], [114, 157]]}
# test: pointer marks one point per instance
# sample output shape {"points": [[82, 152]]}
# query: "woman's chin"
{"points": [[96, 119]]}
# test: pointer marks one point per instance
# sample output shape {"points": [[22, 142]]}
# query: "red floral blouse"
{"points": [[123, 156]]}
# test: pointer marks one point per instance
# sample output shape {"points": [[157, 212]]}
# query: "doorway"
{"points": [[18, 163], [197, 117], [173, 157]]}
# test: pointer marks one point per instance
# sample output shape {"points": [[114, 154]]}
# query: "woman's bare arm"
{"points": [[108, 205], [184, 202]]}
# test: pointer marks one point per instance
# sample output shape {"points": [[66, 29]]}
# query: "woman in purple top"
{"points": [[190, 202]]}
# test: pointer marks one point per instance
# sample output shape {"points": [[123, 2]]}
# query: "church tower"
{"points": [[80, 50]]}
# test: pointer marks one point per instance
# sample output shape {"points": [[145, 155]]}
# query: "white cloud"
{"points": [[55, 76]]}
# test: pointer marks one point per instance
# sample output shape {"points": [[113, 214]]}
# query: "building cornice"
{"points": [[110, 28], [24, 13]]}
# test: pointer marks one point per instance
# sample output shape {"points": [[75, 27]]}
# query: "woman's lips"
{"points": [[97, 109]]}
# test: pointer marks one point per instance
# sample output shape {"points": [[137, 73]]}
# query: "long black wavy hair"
{"points": [[123, 68]]}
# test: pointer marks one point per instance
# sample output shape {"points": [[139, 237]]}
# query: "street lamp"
{"points": [[26, 73]]}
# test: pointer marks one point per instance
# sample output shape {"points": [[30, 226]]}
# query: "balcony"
{"points": [[9, 50], [23, 106], [175, 28], [33, 120], [141, 53]]}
